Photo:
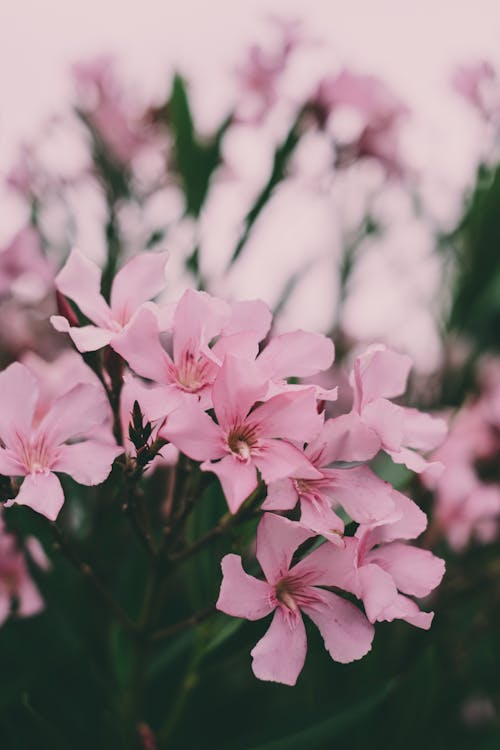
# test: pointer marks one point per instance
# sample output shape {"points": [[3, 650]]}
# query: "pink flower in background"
{"points": [[104, 105], [365, 497], [197, 320], [61, 442], [260, 74], [140, 280], [16, 583], [288, 591], [24, 270], [247, 436], [467, 492], [380, 375], [379, 110], [478, 83], [384, 572]]}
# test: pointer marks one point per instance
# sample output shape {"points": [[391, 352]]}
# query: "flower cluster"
{"points": [[208, 381]]}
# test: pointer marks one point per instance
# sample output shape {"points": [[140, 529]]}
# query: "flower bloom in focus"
{"points": [[290, 591], [59, 443], [141, 279], [385, 572], [248, 435]]}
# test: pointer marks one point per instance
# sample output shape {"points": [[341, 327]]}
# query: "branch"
{"points": [[188, 622]]}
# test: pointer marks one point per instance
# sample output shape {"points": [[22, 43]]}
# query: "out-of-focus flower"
{"points": [[288, 591], [467, 493], [16, 585], [380, 114], [63, 441], [24, 270], [260, 74], [478, 83], [140, 280], [104, 105]]}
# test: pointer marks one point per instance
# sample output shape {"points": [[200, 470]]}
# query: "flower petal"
{"points": [[43, 493], [139, 344], [238, 479], [365, 497], [194, 433], [377, 589], [86, 338], [281, 495], [415, 571], [346, 632], [380, 373], [344, 438], [80, 280], [406, 609], [280, 654], [242, 595], [298, 354], [277, 540], [249, 316], [140, 280], [292, 415], [237, 387], [88, 462], [75, 413], [277, 459], [198, 318], [18, 397]]}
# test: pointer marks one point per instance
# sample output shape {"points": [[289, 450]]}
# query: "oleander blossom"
{"points": [[62, 441], [248, 435], [381, 569], [291, 591], [197, 320], [140, 280]]}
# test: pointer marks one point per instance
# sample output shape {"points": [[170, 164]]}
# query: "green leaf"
{"points": [[314, 736], [195, 159]]}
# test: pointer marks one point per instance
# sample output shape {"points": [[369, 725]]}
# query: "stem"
{"points": [[188, 622], [187, 686], [132, 510], [86, 570], [246, 512]]}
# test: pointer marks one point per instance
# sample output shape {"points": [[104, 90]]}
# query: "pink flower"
{"points": [[141, 279], [197, 320], [60, 442], [365, 497], [384, 572], [24, 271], [247, 436], [378, 376], [289, 591], [467, 492], [380, 110], [15, 580], [107, 110], [479, 85]]}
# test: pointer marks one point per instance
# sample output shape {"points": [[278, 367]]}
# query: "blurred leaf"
{"points": [[323, 731], [476, 303], [196, 160]]}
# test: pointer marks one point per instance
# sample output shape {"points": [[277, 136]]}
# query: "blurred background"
{"points": [[339, 160]]}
